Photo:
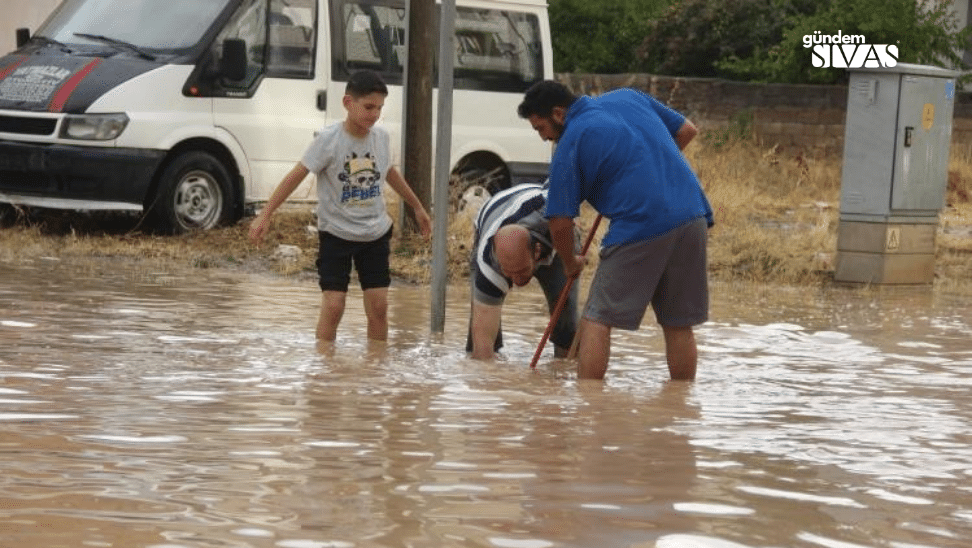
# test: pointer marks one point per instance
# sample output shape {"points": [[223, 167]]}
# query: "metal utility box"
{"points": [[896, 151]]}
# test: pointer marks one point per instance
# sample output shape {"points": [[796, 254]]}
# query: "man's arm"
{"points": [[685, 134], [562, 234], [485, 326]]}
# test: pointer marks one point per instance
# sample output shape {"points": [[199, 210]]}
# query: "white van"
{"points": [[193, 110]]}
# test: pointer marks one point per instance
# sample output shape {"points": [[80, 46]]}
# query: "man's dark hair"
{"points": [[365, 82], [543, 96]]}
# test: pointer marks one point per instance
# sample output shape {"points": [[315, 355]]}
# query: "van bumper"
{"points": [[76, 177], [528, 172]]}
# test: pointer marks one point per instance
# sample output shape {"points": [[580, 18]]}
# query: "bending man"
{"points": [[512, 245]]}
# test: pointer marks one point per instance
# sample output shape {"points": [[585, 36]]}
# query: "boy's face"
{"points": [[364, 111]]}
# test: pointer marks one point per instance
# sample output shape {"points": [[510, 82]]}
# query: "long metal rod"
{"points": [[443, 152], [555, 315]]}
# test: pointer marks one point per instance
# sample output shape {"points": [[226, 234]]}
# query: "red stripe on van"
{"points": [[10, 68], [64, 93]]}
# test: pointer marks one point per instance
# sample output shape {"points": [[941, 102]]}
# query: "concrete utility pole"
{"points": [[417, 123]]}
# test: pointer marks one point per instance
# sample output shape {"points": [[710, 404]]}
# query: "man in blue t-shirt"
{"points": [[621, 153]]}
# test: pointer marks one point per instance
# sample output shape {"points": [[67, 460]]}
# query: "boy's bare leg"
{"points": [[376, 310], [332, 309], [594, 349], [681, 352]]}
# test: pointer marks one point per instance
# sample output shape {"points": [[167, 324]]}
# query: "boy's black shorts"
{"points": [[370, 260]]}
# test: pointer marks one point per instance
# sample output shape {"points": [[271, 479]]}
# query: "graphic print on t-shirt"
{"points": [[361, 180]]}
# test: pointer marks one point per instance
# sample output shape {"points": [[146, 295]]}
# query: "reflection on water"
{"points": [[194, 409]]}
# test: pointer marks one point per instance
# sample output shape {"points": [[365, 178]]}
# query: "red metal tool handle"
{"points": [[555, 315]]}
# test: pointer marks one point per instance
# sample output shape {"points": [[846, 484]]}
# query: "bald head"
{"points": [[517, 260]]}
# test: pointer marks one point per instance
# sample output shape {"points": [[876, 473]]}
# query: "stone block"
{"points": [[885, 253], [893, 238], [882, 268]]}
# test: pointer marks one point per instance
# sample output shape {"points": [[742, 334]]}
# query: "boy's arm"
{"points": [[399, 185], [286, 187]]}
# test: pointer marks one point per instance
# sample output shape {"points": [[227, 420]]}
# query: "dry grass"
{"points": [[776, 221], [776, 213], [953, 257]]}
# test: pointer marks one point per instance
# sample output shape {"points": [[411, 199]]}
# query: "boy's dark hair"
{"points": [[543, 96], [365, 82]]}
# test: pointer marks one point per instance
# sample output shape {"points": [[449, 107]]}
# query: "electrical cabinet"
{"points": [[897, 135], [896, 142]]}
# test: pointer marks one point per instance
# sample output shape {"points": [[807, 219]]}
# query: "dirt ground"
{"points": [[290, 249], [776, 219]]}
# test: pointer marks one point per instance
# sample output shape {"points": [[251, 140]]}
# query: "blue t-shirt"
{"points": [[618, 153]]}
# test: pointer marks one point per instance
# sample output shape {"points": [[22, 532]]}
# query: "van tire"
{"points": [[9, 215], [193, 193], [472, 186]]}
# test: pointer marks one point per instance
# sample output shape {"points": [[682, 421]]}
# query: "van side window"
{"points": [[374, 38], [248, 24], [291, 38], [496, 50]]}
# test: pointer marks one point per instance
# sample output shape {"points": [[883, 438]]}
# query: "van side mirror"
{"points": [[23, 36], [232, 65]]}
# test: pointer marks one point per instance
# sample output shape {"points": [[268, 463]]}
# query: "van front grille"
{"points": [[27, 126]]}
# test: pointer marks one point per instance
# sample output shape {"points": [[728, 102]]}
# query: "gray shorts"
{"points": [[668, 271]]}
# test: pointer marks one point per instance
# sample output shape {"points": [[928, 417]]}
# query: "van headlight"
{"points": [[93, 127]]}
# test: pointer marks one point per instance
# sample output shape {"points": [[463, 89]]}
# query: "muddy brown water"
{"points": [[184, 409]]}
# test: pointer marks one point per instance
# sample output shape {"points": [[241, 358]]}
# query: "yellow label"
{"points": [[928, 116], [893, 239]]}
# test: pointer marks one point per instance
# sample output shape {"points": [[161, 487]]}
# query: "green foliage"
{"points": [[926, 34], [691, 35], [753, 40], [738, 130], [599, 36]]}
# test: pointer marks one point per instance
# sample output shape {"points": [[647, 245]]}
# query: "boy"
{"points": [[351, 160]]}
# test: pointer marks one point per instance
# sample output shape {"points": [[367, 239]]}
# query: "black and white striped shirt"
{"points": [[522, 205]]}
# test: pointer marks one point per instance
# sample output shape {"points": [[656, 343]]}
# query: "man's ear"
{"points": [[536, 251], [558, 114]]}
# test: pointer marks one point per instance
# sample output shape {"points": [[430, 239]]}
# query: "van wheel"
{"points": [[8, 215], [193, 194], [470, 188]]}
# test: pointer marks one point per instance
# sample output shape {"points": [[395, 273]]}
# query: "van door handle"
{"points": [[322, 99]]}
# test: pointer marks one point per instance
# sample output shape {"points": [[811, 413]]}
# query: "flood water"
{"points": [[193, 409]]}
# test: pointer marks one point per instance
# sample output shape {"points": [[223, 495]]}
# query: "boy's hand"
{"points": [[259, 228], [424, 221]]}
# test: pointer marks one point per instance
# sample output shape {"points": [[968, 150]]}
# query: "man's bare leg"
{"points": [[681, 352], [594, 349]]}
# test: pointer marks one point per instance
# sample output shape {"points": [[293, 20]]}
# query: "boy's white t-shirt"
{"points": [[350, 179]]}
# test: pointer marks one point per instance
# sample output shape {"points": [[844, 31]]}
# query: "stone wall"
{"points": [[807, 117]]}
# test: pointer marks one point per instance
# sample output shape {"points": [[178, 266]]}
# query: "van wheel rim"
{"points": [[198, 201]]}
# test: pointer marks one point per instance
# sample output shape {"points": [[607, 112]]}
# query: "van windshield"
{"points": [[144, 24]]}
